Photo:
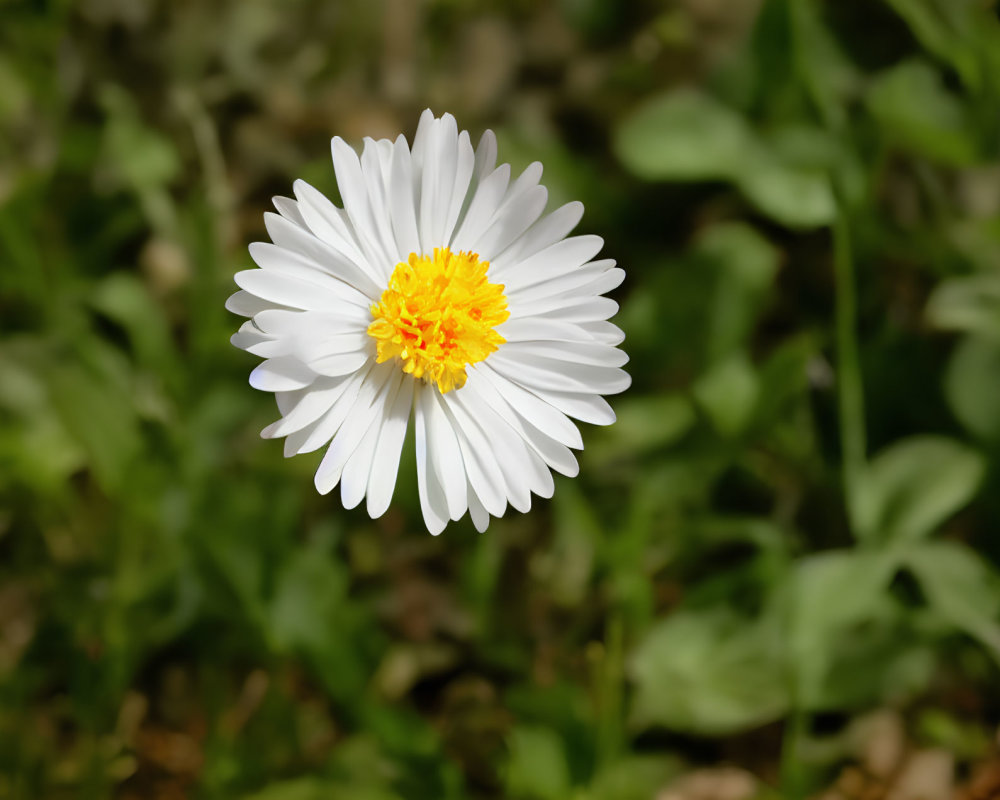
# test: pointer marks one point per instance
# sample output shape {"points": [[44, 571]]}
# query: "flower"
{"points": [[441, 291]]}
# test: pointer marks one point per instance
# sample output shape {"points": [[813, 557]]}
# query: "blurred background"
{"points": [[778, 574]]}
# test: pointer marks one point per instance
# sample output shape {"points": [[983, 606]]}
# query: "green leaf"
{"points": [[972, 386], [962, 588], [970, 303], [798, 197], [710, 672], [946, 29], [913, 486], [728, 393], [536, 769], [684, 135], [918, 114], [829, 595]]}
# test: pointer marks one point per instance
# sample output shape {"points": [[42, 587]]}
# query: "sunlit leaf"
{"points": [[962, 588], [684, 135], [913, 486], [710, 672]]}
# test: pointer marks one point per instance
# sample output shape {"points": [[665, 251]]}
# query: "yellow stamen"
{"points": [[438, 316]]}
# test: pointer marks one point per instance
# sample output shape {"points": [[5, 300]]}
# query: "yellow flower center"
{"points": [[438, 316]]}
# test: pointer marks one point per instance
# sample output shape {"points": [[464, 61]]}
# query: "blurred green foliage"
{"points": [[791, 524]]}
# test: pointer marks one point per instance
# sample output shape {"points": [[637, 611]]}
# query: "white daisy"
{"points": [[439, 290]]}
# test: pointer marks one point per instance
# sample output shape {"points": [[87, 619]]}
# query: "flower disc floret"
{"points": [[439, 315]]}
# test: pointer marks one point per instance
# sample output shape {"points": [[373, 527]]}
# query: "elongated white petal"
{"points": [[432, 500], [325, 256], [385, 464], [556, 259], [367, 406], [444, 452], [281, 374], [551, 228], [329, 223], [481, 466]]}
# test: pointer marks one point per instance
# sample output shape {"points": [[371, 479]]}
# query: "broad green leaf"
{"points": [[90, 388], [684, 135], [710, 672], [944, 28], [962, 588], [970, 303], [920, 115], [798, 197], [536, 769], [913, 486], [830, 594], [972, 386], [728, 393]]}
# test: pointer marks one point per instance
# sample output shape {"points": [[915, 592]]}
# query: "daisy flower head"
{"points": [[441, 292]]}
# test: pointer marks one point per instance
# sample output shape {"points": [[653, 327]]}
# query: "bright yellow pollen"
{"points": [[438, 316]]}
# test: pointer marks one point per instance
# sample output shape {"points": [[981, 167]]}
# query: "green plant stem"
{"points": [[850, 394], [611, 691]]}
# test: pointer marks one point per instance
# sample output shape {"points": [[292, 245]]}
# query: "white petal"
{"points": [[597, 277], [246, 304], [604, 332], [512, 219], [482, 209], [367, 406], [437, 181], [465, 163], [600, 355], [310, 405], [486, 154], [590, 408], [357, 206], [401, 207], [480, 516], [517, 462], [385, 465], [340, 363], [547, 231], [591, 309], [288, 322], [533, 371], [248, 337], [297, 293], [291, 237], [557, 259], [480, 463], [289, 209], [354, 481], [553, 453], [281, 374], [374, 180], [330, 224], [433, 505], [314, 436], [287, 262], [543, 329], [543, 416], [444, 451]]}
